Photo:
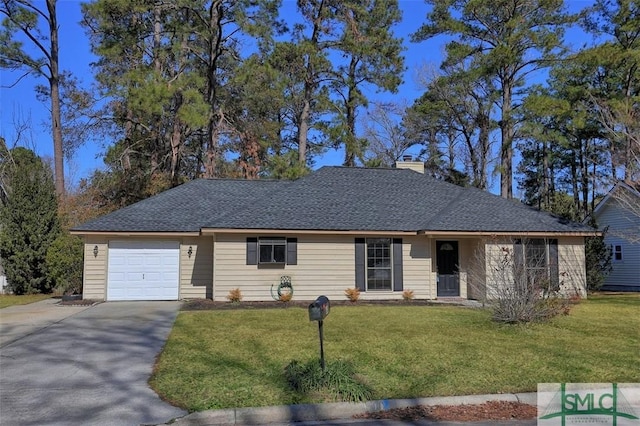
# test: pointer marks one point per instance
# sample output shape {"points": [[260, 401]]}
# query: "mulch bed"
{"points": [[493, 410], [79, 302], [208, 304]]}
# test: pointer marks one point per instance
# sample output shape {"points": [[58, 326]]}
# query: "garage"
{"points": [[143, 270]]}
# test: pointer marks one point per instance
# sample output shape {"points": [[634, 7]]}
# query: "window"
{"points": [[272, 250], [617, 253], [538, 259], [379, 264]]}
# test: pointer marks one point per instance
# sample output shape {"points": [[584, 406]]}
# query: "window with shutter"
{"points": [[272, 250], [378, 264]]}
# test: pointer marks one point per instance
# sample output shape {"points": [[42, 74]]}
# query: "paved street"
{"points": [[89, 368]]}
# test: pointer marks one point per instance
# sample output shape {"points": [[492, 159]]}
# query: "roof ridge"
{"points": [[363, 168], [227, 179]]}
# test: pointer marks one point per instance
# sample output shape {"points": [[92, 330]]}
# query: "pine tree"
{"points": [[508, 39], [22, 20], [28, 224]]}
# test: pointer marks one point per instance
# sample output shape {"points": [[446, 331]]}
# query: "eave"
{"points": [[593, 233], [212, 231], [136, 233]]}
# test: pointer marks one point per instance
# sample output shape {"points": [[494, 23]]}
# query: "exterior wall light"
{"points": [[190, 251], [95, 251]]}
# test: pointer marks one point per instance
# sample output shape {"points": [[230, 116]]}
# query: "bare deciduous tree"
{"points": [[384, 133]]}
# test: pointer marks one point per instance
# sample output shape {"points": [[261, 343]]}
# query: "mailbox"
{"points": [[319, 309]]}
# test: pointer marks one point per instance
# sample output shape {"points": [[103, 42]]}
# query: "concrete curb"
{"points": [[331, 411]]}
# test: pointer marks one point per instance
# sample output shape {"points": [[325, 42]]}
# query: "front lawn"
{"points": [[12, 299], [235, 358]]}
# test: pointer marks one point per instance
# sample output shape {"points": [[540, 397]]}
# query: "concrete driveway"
{"points": [[89, 367]]}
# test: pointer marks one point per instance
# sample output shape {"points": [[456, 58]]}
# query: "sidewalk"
{"points": [[333, 413]]}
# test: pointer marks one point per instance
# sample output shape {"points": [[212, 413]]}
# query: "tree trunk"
{"points": [[128, 135], [215, 41], [574, 178], [506, 150], [545, 175], [584, 165], [303, 130], [54, 81], [350, 146], [484, 131], [309, 89], [176, 140]]}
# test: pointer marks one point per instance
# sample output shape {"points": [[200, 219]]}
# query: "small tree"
{"points": [[28, 224]]}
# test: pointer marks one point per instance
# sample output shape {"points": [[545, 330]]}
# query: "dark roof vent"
{"points": [[407, 157]]}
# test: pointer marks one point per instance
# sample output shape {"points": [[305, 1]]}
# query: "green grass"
{"points": [[221, 359], [11, 299]]}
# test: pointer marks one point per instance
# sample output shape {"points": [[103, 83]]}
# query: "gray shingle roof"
{"points": [[186, 208], [332, 198]]}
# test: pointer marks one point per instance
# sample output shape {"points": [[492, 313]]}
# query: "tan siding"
{"points": [[94, 280], [326, 266], [472, 265], [196, 271], [571, 266], [465, 256], [417, 266], [496, 273]]}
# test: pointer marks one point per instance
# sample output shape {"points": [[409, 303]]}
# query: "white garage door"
{"points": [[143, 270]]}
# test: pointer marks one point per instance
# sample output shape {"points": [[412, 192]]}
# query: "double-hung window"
{"points": [[272, 250], [378, 264], [616, 254], [537, 259], [379, 267]]}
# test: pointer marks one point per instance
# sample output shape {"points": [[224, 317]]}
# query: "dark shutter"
{"points": [[361, 258], [397, 264], [518, 257], [554, 273], [292, 251], [252, 251]]}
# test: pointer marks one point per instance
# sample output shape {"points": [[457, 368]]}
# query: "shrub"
{"points": [[338, 382], [235, 295], [518, 289], [524, 310], [64, 263], [353, 294], [597, 260], [407, 295]]}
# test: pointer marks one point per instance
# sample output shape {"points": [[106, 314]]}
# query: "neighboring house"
{"points": [[3, 279], [381, 230], [619, 213]]}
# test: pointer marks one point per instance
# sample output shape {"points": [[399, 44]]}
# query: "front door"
{"points": [[447, 263]]}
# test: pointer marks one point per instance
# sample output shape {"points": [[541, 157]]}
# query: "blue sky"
{"points": [[19, 102]]}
